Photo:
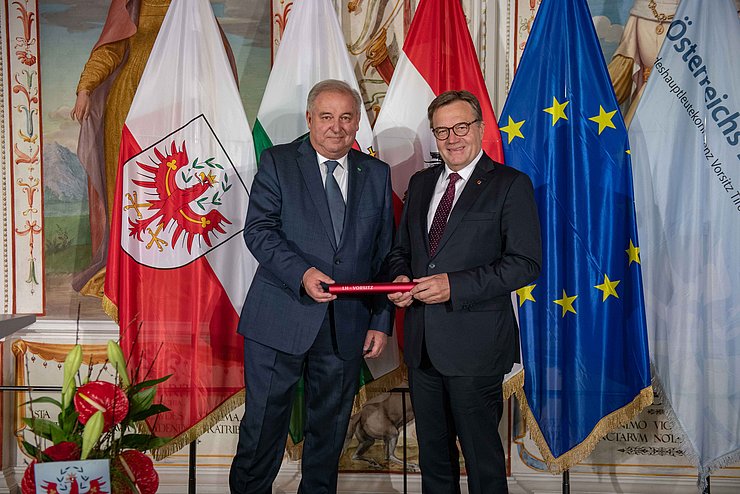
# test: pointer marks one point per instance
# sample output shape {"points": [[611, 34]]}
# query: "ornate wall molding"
{"points": [[23, 170], [6, 291]]}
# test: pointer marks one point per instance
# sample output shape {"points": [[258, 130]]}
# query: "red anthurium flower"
{"points": [[139, 468], [101, 396], [59, 452]]}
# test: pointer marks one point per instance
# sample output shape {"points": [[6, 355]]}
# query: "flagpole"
{"points": [[706, 489], [191, 468], [566, 482]]}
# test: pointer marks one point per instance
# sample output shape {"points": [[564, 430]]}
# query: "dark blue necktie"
{"points": [[335, 199]]}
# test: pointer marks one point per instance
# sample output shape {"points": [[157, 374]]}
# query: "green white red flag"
{"points": [[312, 49]]}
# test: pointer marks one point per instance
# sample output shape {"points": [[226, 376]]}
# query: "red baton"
{"points": [[347, 288]]}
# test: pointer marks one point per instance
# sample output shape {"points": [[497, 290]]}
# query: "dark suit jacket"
{"points": [[288, 230], [490, 247]]}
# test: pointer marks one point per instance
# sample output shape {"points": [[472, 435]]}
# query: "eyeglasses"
{"points": [[460, 129]]}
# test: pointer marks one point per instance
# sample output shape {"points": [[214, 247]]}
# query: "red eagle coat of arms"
{"points": [[180, 203]]}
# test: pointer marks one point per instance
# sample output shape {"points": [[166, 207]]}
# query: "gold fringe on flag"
{"points": [[514, 384], [581, 451], [110, 308], [381, 385], [295, 451], [186, 437]]}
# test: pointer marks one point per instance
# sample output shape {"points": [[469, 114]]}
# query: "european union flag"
{"points": [[584, 337]]}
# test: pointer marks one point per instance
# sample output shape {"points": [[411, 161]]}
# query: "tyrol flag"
{"points": [[584, 337], [178, 269]]}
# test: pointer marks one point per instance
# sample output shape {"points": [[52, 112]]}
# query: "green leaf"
{"points": [[66, 413], [134, 441], [142, 400], [68, 422], [43, 399], [58, 435], [44, 428], [147, 384], [142, 442], [145, 414], [30, 449], [158, 442], [43, 457]]}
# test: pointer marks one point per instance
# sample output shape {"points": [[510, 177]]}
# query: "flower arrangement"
{"points": [[100, 420]]}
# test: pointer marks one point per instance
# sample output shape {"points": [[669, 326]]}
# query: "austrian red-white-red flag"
{"points": [[178, 268], [438, 55]]}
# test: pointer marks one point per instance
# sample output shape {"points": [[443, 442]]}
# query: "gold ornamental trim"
{"points": [[581, 451], [198, 429]]}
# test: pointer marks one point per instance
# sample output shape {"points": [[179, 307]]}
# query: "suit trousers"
{"points": [[270, 377], [466, 407]]}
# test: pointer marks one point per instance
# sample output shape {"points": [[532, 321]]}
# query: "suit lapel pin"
{"points": [[359, 168], [478, 182]]}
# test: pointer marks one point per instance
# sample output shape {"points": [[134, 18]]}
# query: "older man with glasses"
{"points": [[469, 236]]}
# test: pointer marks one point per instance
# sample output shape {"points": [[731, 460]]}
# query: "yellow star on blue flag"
{"points": [[513, 129], [604, 119], [608, 288], [557, 110]]}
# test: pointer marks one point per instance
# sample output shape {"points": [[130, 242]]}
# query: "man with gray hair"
{"points": [[320, 212]]}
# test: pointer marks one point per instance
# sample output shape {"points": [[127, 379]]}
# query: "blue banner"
{"points": [[584, 339], [686, 148]]}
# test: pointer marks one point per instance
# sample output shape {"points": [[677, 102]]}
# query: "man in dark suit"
{"points": [[469, 235], [319, 212]]}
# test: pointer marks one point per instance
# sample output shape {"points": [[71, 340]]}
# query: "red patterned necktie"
{"points": [[440, 215]]}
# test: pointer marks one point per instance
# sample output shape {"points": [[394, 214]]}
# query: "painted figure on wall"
{"points": [[104, 94], [633, 59], [375, 32], [105, 91]]}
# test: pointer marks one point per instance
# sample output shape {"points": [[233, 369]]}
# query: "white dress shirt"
{"points": [[340, 173], [441, 187]]}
